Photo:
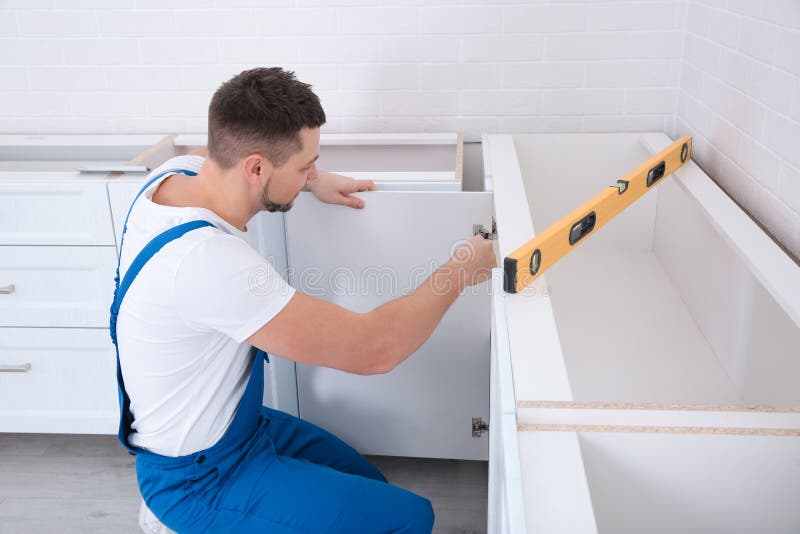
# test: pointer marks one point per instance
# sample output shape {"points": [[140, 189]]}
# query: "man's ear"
{"points": [[257, 168]]}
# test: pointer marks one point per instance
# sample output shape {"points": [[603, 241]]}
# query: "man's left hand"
{"points": [[336, 189]]}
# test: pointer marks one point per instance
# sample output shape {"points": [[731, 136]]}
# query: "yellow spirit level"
{"points": [[530, 260]]}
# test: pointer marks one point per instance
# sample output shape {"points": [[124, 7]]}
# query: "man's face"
{"points": [[288, 180]]}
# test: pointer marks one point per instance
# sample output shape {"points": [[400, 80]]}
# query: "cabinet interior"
{"points": [[692, 483], [658, 306]]}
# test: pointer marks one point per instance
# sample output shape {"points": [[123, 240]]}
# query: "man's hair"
{"points": [[261, 110]]}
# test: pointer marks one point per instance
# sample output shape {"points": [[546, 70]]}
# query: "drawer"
{"points": [[54, 213], [56, 286], [68, 385]]}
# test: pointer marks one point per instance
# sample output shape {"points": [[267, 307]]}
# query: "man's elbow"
{"points": [[379, 357], [377, 363]]}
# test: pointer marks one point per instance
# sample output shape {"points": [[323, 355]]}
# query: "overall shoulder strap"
{"points": [[144, 187], [156, 244], [130, 209]]}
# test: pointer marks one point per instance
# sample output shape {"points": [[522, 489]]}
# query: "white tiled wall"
{"points": [[740, 99], [413, 65], [725, 71]]}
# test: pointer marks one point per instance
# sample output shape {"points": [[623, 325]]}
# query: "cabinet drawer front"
{"points": [[65, 382], [54, 213], [56, 286]]}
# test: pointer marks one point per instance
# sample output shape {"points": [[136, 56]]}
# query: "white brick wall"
{"points": [[739, 96], [477, 65], [724, 70]]}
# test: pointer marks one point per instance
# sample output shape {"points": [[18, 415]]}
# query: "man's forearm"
{"points": [[404, 324]]}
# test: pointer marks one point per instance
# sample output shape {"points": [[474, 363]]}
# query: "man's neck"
{"points": [[205, 190]]}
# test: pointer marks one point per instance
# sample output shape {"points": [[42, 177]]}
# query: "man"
{"points": [[191, 330]]}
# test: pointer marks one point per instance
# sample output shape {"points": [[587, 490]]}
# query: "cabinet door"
{"points": [[361, 259]]}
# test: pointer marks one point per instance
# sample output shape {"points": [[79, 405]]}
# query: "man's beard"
{"points": [[274, 206]]}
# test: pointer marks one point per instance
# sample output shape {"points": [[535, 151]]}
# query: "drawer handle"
{"points": [[7, 290], [21, 368]]}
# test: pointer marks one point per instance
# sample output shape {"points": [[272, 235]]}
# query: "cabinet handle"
{"points": [[7, 290], [21, 368]]}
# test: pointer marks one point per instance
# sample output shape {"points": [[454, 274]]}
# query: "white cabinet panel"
{"points": [[54, 213], [120, 196], [69, 384], [57, 286], [506, 508], [361, 259]]}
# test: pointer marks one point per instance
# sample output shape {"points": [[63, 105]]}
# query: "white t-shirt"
{"points": [[183, 323]]}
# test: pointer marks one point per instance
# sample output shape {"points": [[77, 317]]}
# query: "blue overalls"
{"points": [[270, 471]]}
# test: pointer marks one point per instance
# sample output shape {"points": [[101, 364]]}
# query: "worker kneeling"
{"points": [[196, 311]]}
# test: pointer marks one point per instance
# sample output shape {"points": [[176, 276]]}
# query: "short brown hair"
{"points": [[261, 110]]}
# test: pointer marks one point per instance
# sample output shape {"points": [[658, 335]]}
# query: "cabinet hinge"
{"points": [[478, 229], [479, 426]]}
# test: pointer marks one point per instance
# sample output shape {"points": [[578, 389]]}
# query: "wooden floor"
{"points": [[79, 484]]}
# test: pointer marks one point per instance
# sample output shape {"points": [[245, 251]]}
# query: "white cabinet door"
{"points": [[54, 213], [363, 258], [56, 286], [58, 380]]}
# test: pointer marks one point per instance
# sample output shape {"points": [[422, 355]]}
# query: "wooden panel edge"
{"points": [[746, 408], [639, 429]]}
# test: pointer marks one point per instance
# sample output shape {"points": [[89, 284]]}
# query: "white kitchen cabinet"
{"points": [[361, 259], [655, 367], [57, 263]]}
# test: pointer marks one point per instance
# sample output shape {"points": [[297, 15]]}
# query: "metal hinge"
{"points": [[479, 426], [478, 229]]}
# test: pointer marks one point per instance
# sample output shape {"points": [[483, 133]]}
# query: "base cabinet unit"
{"points": [[655, 367], [57, 263]]}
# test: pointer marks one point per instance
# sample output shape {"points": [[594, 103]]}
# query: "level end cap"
{"points": [[510, 275]]}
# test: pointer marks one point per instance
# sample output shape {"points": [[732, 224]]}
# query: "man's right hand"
{"points": [[474, 261]]}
